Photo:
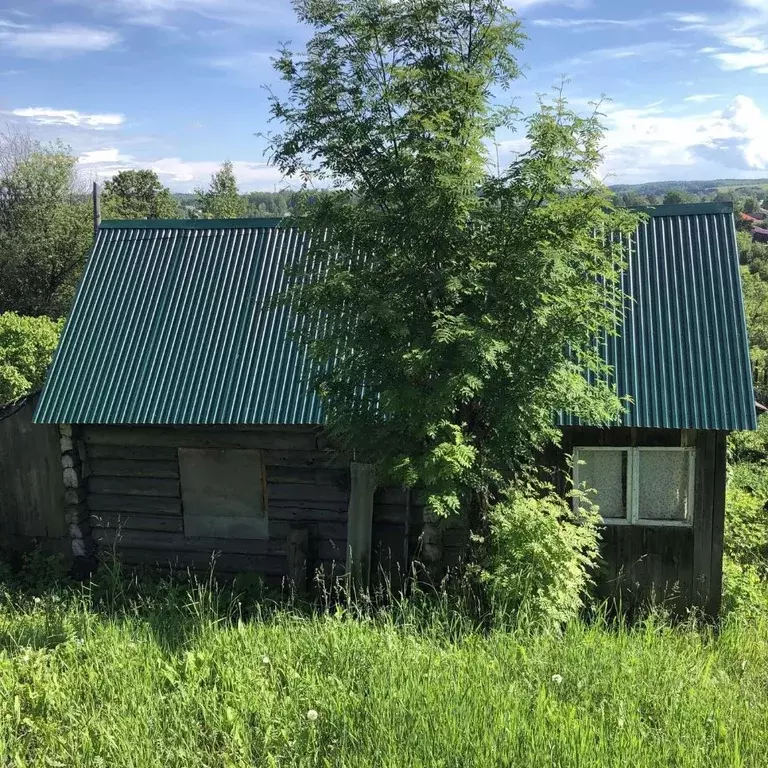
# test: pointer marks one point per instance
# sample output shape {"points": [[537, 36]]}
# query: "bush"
{"points": [[26, 348], [744, 592], [542, 555]]}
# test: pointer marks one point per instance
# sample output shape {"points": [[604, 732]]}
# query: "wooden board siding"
{"points": [[134, 499], [679, 566], [31, 484]]}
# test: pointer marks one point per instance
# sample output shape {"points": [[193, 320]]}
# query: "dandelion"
{"points": [[37, 601], [312, 715], [265, 660], [558, 679]]}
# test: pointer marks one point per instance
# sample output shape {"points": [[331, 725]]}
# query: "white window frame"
{"points": [[632, 502]]}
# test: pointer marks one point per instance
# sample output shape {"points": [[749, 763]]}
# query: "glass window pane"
{"points": [[606, 472], [664, 485]]}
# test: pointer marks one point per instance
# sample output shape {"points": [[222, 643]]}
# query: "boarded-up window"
{"points": [[223, 493]]}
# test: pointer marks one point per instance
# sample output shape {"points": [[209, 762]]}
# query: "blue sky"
{"points": [[176, 85]]}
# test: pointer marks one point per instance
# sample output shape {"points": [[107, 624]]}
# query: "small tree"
{"points": [[674, 197], [452, 294], [222, 200], [46, 227], [26, 347], [138, 195]]}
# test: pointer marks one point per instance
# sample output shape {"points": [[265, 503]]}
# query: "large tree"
{"points": [[46, 227], [222, 200], [138, 195], [463, 307]]}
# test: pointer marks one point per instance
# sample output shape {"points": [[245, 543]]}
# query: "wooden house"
{"points": [[188, 426]]}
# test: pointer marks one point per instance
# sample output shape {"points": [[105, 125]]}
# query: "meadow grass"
{"points": [[188, 678]]}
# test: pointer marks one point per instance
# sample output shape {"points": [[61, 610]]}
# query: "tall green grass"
{"points": [[177, 677]]}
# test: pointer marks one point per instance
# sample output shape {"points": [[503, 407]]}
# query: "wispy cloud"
{"points": [[649, 51], [589, 24], [168, 13], [700, 98], [71, 117], [55, 41], [742, 35]]}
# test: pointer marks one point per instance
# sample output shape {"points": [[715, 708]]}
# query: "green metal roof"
{"points": [[172, 324], [682, 354]]}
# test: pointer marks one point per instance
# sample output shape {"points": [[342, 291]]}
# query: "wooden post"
{"points": [[96, 209], [432, 544], [360, 522], [298, 558]]}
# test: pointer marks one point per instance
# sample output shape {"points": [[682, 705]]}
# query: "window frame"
{"points": [[632, 502]]}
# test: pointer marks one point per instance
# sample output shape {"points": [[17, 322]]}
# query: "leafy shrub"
{"points": [[749, 446], [26, 348], [743, 590], [746, 532], [542, 555]]}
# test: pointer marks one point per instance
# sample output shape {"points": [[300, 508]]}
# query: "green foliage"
{"points": [[137, 195], [46, 228], [183, 677], [755, 290], [541, 555], [457, 291], [750, 206], [745, 585], [27, 345], [222, 200], [674, 197]]}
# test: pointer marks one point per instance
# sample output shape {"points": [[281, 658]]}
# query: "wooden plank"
{"points": [[307, 493], [303, 458], [703, 513], [337, 478], [133, 468], [176, 543], [298, 558], [224, 564], [295, 512], [130, 452], [31, 485], [134, 486], [130, 522], [257, 438], [147, 505], [225, 527], [718, 526]]}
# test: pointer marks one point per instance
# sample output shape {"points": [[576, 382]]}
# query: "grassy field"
{"points": [[175, 679]]}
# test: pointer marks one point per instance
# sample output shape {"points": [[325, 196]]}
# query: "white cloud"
{"points": [[71, 117], [57, 40], [699, 98], [587, 24], [166, 13], [646, 142], [108, 156], [742, 35], [179, 174], [642, 51]]}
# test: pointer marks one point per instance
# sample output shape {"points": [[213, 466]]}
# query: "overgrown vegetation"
{"points": [[453, 289], [180, 675], [27, 345]]}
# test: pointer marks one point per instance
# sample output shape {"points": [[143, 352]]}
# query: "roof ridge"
{"points": [[246, 223]]}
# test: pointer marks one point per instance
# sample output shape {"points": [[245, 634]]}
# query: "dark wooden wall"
{"points": [[134, 500], [681, 567], [31, 484]]}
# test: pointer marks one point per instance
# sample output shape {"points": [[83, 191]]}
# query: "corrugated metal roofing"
{"points": [[682, 354], [172, 324]]}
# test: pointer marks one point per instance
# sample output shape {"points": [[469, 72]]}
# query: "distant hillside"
{"points": [[744, 187]]}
